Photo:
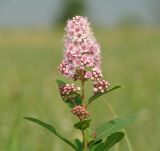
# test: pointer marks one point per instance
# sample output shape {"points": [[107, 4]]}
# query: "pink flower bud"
{"points": [[68, 89], [100, 86], [80, 111]]}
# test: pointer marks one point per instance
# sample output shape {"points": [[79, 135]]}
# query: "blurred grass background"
{"points": [[28, 67], [31, 49]]}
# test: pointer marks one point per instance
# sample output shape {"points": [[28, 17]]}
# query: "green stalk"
{"points": [[84, 142], [82, 97], [82, 85]]}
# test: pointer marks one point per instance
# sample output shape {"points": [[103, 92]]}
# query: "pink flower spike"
{"points": [[81, 49]]}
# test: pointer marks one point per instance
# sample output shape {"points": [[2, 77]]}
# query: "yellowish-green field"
{"points": [[28, 69]]}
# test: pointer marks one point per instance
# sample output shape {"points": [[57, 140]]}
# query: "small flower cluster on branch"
{"points": [[80, 111], [100, 86], [68, 89]]}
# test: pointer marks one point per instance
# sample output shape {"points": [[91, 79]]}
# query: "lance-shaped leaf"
{"points": [[60, 82], [110, 141], [82, 125], [73, 100], [113, 139], [95, 96], [79, 144], [78, 99], [69, 102], [92, 145], [51, 129], [112, 126], [99, 147]]}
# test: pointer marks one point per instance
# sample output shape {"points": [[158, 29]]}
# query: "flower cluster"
{"points": [[81, 61], [81, 50], [80, 111], [95, 74], [100, 86], [68, 89]]}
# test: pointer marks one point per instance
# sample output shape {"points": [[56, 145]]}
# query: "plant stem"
{"points": [[115, 115], [82, 97], [82, 85], [84, 141], [85, 146]]}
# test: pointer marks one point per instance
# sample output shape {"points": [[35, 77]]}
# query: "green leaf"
{"points": [[82, 125], [110, 141], [78, 99], [79, 144], [92, 98], [93, 145], [113, 139], [60, 82], [112, 126], [100, 147], [69, 103], [51, 129]]}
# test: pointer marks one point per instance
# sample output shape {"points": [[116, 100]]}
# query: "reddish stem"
{"points": [[82, 84]]}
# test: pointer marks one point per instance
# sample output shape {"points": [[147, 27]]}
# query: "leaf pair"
{"points": [[112, 126], [77, 98], [108, 133], [82, 125], [85, 127], [109, 142]]}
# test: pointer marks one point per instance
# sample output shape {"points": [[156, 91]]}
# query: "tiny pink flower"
{"points": [[76, 62], [88, 74]]}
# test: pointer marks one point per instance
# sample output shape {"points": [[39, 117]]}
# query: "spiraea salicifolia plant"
{"points": [[82, 62]]}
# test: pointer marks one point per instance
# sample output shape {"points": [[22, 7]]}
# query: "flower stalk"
{"points": [[83, 97], [82, 61], [83, 92]]}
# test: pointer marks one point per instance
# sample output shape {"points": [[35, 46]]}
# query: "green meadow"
{"points": [[28, 70]]}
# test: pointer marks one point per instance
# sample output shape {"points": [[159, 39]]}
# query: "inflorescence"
{"points": [[82, 60]]}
